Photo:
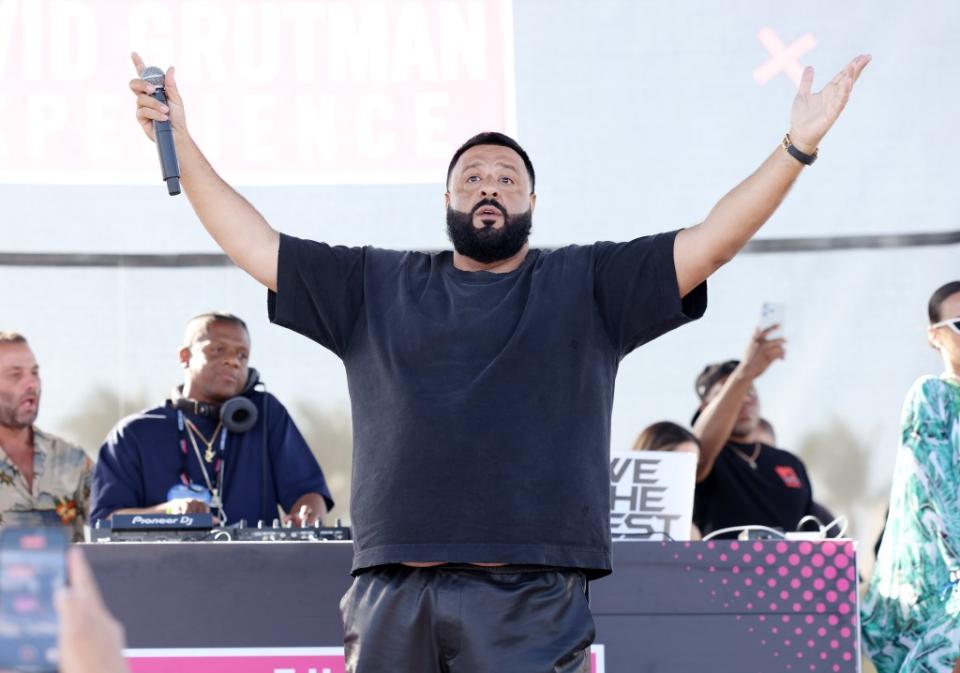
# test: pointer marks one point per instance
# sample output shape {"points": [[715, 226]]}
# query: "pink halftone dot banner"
{"points": [[810, 581]]}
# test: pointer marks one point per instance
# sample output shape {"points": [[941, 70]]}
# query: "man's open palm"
{"points": [[813, 114]]}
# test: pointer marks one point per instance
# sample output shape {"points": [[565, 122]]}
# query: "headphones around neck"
{"points": [[238, 414]]}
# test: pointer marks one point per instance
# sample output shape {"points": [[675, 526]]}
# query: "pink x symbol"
{"points": [[782, 58]]}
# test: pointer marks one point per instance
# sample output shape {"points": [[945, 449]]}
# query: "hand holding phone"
{"points": [[32, 571], [43, 621], [767, 343], [90, 638]]}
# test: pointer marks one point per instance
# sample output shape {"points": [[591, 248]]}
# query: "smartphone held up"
{"points": [[772, 313], [32, 569]]}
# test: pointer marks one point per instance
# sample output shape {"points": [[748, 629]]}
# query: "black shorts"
{"points": [[467, 619]]}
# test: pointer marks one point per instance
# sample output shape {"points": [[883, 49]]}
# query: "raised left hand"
{"points": [[813, 114]]}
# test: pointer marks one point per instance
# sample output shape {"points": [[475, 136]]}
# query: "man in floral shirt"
{"points": [[44, 480]]}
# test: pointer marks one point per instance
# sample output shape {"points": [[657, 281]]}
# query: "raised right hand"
{"points": [[149, 109], [762, 352]]}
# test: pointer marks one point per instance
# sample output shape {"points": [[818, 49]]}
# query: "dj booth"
{"points": [[272, 607]]}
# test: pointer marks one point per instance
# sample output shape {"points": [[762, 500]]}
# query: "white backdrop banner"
{"points": [[277, 92]]}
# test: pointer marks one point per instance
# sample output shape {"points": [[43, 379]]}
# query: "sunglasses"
{"points": [[952, 323]]}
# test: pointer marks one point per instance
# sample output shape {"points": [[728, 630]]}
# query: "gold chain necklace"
{"points": [[210, 453], [751, 459]]}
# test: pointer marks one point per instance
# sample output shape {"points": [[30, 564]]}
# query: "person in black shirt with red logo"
{"points": [[741, 479]]}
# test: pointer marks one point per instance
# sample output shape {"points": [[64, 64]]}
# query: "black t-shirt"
{"points": [[777, 494], [481, 401]]}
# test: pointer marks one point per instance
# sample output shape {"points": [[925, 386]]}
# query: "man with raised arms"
{"points": [[481, 383]]}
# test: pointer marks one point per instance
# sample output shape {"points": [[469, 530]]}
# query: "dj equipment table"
{"points": [[742, 607]]}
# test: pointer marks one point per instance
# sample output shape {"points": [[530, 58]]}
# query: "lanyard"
{"points": [[216, 494]]}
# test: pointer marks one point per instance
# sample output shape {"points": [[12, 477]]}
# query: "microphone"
{"points": [[164, 134]]}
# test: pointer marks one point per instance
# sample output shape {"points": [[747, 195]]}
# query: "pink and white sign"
{"points": [[276, 91], [238, 660], [260, 660]]}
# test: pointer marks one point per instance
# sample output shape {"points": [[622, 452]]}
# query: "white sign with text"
{"points": [[651, 495]]}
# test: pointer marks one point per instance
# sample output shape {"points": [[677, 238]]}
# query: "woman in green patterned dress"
{"points": [[911, 613]]}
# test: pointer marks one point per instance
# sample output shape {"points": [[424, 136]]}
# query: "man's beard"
{"points": [[9, 417], [488, 245]]}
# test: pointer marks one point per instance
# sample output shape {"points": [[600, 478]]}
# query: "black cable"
{"points": [[263, 456]]}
